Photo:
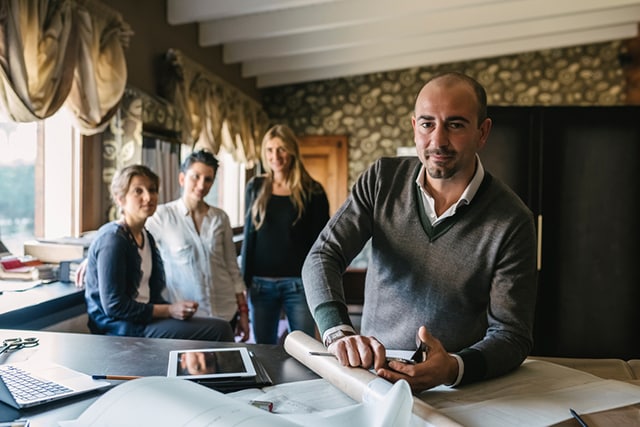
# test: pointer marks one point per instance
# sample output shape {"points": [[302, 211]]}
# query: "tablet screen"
{"points": [[210, 363]]}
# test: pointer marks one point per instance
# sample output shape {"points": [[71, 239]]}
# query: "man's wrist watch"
{"points": [[336, 335]]}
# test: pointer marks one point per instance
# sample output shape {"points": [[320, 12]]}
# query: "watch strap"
{"points": [[332, 335]]}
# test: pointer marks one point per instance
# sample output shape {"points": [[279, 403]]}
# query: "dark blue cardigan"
{"points": [[112, 279]]}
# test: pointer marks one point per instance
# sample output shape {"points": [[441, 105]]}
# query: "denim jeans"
{"points": [[268, 297]]}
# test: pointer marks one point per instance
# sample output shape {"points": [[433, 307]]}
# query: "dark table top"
{"points": [[98, 354], [40, 306]]}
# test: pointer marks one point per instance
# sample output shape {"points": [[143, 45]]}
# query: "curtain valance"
{"points": [[215, 113], [62, 52]]}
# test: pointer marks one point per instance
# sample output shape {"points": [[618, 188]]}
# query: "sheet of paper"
{"points": [[161, 401], [300, 397], [537, 394], [303, 397], [530, 410], [393, 410]]}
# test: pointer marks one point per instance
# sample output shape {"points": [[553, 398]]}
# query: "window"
{"points": [[18, 145], [39, 180], [229, 187]]}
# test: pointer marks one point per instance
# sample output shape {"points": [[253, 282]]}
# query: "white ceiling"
{"points": [[292, 41]]}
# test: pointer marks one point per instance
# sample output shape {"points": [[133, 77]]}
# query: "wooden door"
{"points": [[589, 287], [511, 153], [325, 158]]}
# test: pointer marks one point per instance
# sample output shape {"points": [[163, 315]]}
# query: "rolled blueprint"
{"points": [[360, 384]]}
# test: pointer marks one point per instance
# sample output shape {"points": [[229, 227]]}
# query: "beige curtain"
{"points": [[216, 114], [37, 55], [101, 70], [57, 51]]}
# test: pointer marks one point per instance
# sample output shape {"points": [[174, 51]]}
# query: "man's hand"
{"points": [[358, 350], [438, 368]]}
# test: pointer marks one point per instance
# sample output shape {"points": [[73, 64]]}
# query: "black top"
{"points": [[281, 254], [280, 246]]}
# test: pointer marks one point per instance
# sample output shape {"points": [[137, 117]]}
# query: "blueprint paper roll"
{"points": [[358, 383]]}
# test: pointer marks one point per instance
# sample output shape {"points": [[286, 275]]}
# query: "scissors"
{"points": [[18, 343]]}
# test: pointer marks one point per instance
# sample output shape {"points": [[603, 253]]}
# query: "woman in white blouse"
{"points": [[196, 243]]}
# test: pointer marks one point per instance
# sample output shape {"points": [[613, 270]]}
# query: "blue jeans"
{"points": [[268, 297]]}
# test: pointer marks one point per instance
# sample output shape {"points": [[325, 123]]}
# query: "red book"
{"points": [[11, 263]]}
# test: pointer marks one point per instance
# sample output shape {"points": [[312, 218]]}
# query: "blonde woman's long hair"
{"points": [[300, 183]]}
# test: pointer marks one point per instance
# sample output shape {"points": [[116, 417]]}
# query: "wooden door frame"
{"points": [[333, 145]]}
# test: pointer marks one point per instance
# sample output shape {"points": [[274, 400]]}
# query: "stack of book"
{"points": [[67, 270], [26, 268]]}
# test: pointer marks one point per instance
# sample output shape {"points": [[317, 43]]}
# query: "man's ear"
{"points": [[485, 130], [181, 179]]}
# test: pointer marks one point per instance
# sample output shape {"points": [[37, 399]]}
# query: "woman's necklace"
{"points": [[280, 188]]}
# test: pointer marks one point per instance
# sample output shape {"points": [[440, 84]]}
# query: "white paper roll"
{"points": [[358, 383]]}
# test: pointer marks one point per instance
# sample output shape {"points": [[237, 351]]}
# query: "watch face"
{"points": [[334, 336]]}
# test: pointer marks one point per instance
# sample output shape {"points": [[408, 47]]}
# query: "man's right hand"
{"points": [[438, 368], [359, 351]]}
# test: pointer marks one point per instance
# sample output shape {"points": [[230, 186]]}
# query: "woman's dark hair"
{"points": [[201, 156]]}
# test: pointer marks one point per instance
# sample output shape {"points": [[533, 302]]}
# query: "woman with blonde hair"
{"points": [[285, 211]]}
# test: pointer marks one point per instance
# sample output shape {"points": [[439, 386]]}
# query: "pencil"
{"points": [[114, 377]]}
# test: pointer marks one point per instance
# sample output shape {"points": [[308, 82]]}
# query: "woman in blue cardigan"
{"points": [[125, 276]]}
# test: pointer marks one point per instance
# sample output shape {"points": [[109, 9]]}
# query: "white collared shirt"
{"points": [[203, 266], [465, 198]]}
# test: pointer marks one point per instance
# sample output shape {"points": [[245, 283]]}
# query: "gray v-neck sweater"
{"points": [[471, 280]]}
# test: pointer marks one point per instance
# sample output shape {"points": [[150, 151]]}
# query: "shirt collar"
{"points": [[465, 198], [470, 192], [184, 210]]}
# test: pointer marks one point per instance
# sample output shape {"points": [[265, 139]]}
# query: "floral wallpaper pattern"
{"points": [[374, 110], [122, 140]]}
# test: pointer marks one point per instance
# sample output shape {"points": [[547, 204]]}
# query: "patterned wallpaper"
{"points": [[122, 140], [374, 110]]}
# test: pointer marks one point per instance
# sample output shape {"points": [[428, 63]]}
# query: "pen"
{"points": [[575, 415], [113, 377], [320, 353]]}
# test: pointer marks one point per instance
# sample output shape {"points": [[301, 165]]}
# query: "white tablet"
{"points": [[210, 363]]}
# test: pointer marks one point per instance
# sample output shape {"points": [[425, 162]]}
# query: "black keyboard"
{"points": [[25, 387]]}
